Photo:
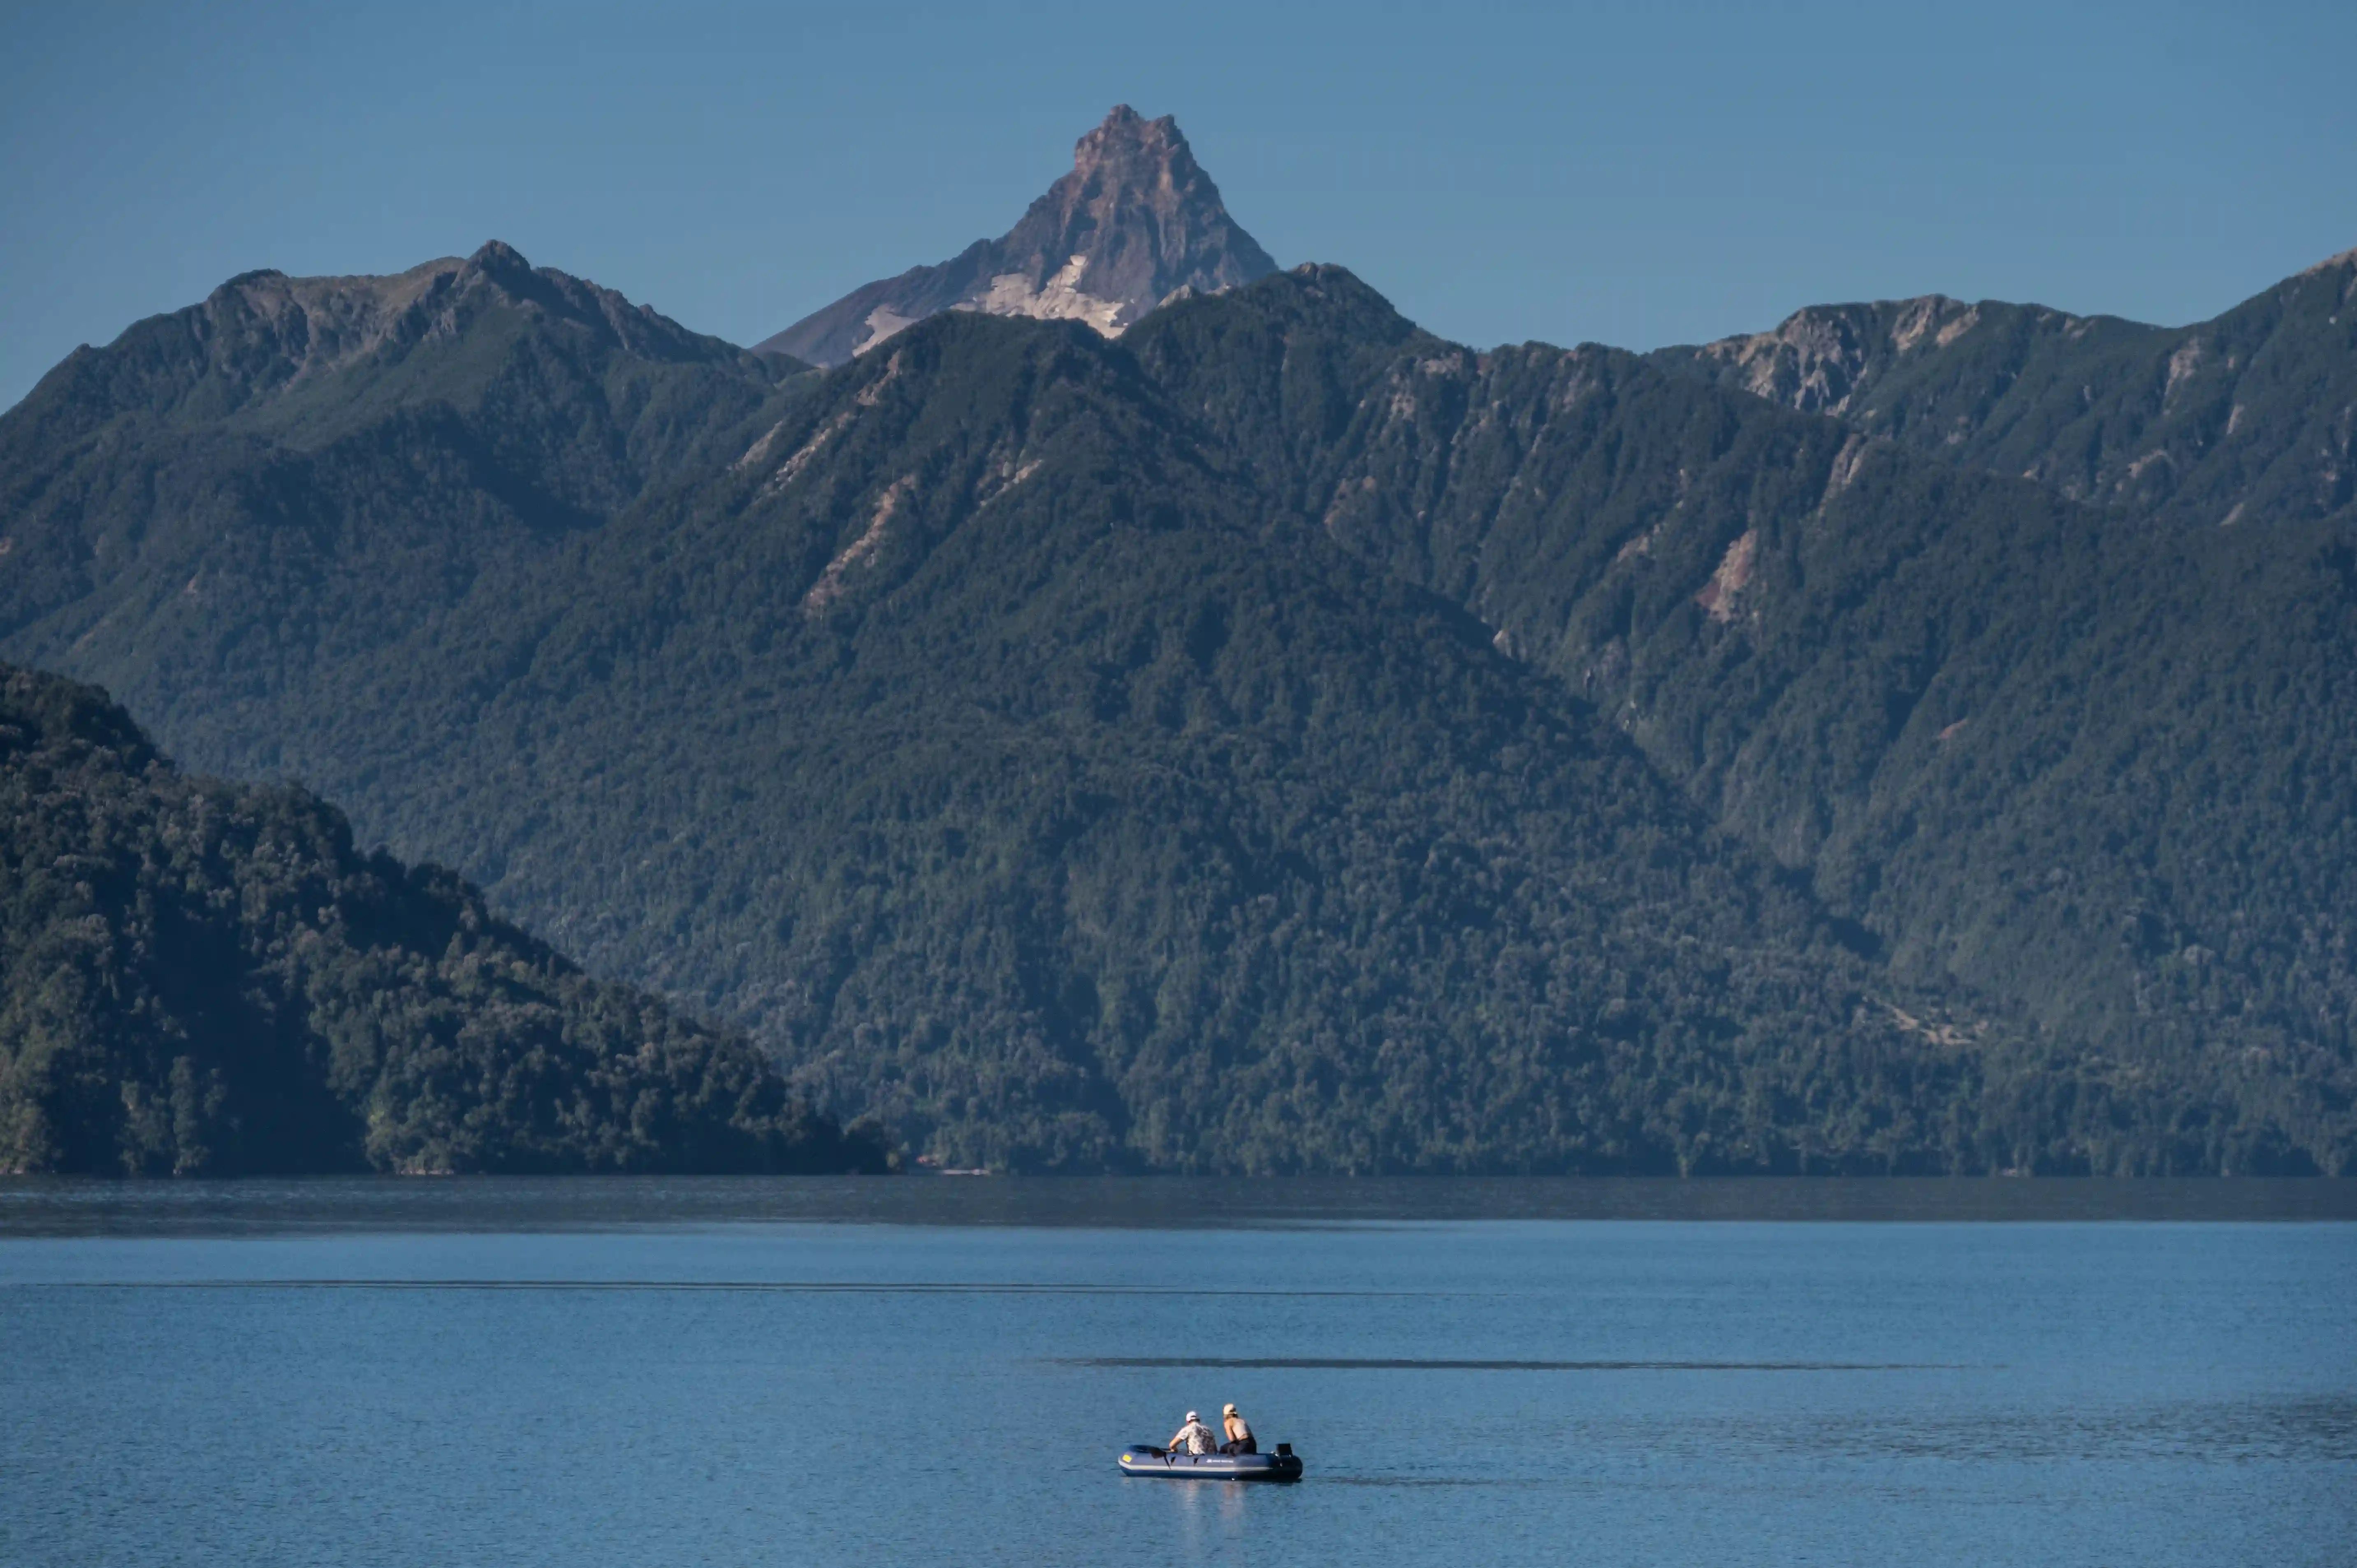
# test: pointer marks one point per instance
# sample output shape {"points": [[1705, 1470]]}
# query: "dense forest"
{"points": [[1275, 740], [2087, 760], [200, 978]]}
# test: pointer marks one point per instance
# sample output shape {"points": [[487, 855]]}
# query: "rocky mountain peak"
{"points": [[501, 265], [1134, 221], [1130, 153], [1125, 133]]}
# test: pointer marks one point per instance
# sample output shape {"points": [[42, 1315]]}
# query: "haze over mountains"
{"points": [[1254, 733]]}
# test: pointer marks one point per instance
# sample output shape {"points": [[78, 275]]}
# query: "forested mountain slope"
{"points": [[2101, 768], [974, 738], [299, 469], [1282, 740], [2249, 418], [200, 978]]}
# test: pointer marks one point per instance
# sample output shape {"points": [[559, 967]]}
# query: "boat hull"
{"points": [[1138, 1459]]}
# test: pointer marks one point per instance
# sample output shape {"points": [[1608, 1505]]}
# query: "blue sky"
{"points": [[1634, 174]]}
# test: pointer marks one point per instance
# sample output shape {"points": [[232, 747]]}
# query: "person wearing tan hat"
{"points": [[1240, 1437]]}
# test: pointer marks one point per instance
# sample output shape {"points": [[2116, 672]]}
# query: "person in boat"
{"points": [[1194, 1437], [1239, 1431]]}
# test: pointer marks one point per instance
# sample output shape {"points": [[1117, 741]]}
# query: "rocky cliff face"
{"points": [[1137, 220]]}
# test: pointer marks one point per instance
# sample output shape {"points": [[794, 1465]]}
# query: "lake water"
{"points": [[928, 1370]]}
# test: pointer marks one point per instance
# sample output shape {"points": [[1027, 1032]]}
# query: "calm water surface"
{"points": [[924, 1371]]}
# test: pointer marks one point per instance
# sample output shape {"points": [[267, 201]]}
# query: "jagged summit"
{"points": [[1137, 220]]}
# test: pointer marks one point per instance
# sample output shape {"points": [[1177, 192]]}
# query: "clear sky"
{"points": [[1637, 173]]}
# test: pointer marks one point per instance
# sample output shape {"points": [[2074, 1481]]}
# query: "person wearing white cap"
{"points": [[1239, 1431], [1194, 1437]]}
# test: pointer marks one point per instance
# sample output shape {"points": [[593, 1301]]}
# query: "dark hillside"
{"points": [[207, 979]]}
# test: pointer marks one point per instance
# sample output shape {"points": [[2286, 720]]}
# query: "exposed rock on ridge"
{"points": [[1135, 222], [1819, 359], [2248, 418]]}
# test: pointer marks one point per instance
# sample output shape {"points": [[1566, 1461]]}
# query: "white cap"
{"points": [[1192, 1416]]}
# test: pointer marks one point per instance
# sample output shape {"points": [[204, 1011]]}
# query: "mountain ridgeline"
{"points": [[208, 979], [2245, 419], [1254, 735]]}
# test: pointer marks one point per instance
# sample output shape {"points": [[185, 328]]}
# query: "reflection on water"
{"points": [[629, 1373]]}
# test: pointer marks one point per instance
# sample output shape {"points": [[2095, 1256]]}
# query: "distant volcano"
{"points": [[1137, 220]]}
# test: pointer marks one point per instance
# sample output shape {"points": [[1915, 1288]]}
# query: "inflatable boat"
{"points": [[1140, 1459]]}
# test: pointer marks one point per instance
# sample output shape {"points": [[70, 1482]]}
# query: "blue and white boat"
{"points": [[1143, 1459]]}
